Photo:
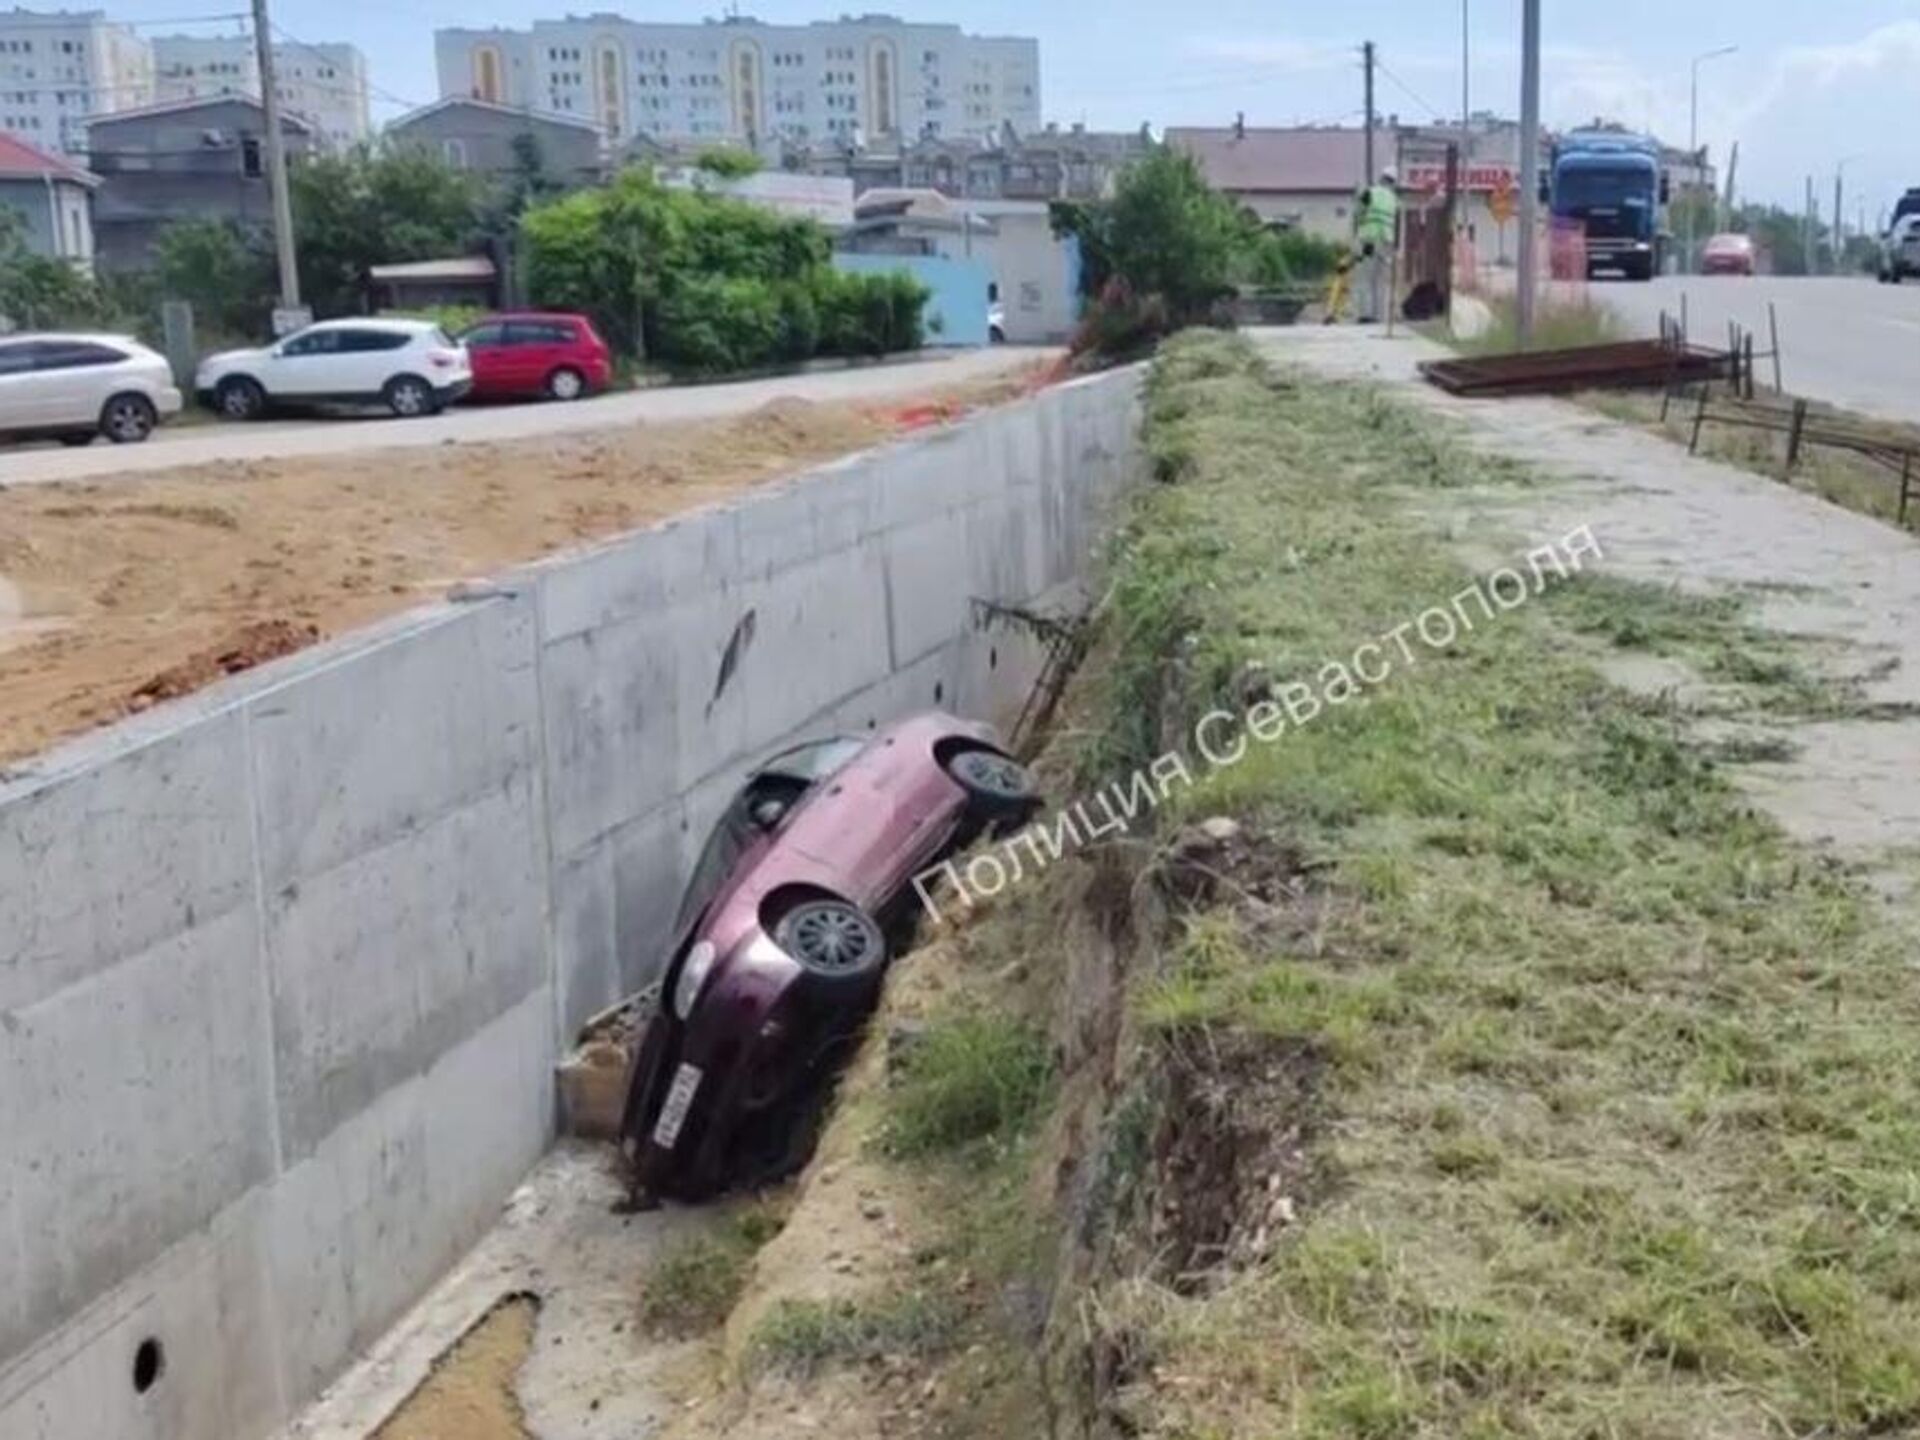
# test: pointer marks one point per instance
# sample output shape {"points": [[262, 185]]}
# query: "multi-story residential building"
{"points": [[1050, 164], [859, 80], [57, 67], [324, 84]]}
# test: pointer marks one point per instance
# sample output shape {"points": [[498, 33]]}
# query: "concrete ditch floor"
{"points": [[1848, 584], [588, 1375]]}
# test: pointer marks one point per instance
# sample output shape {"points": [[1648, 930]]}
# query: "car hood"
{"points": [[235, 357]]}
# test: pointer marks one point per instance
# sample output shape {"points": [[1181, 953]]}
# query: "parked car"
{"points": [[409, 366], [1900, 249], [1728, 254], [74, 387], [783, 936], [519, 355]]}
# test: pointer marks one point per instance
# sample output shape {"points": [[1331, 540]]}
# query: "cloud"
{"points": [[1891, 47]]}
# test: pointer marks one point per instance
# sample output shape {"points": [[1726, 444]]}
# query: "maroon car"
{"points": [[1728, 254], [783, 936]]}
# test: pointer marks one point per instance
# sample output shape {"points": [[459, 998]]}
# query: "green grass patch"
{"points": [[694, 1285], [1556, 326], [967, 1078], [803, 1337], [1623, 1087]]}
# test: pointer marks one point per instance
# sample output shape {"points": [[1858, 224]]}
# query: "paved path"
{"points": [[203, 444], [1820, 572], [1848, 341]]}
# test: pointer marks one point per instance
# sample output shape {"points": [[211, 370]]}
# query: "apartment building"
{"points": [[324, 84], [852, 81], [59, 66]]}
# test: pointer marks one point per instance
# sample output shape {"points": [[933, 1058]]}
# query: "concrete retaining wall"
{"points": [[285, 968]]}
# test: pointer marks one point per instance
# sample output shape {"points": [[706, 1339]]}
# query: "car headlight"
{"points": [[693, 978]]}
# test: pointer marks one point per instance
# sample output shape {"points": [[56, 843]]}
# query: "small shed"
{"points": [[461, 280]]}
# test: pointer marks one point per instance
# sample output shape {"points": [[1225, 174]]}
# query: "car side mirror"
{"points": [[768, 813], [1546, 191]]}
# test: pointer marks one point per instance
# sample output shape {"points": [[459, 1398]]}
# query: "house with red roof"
{"points": [[51, 197]]}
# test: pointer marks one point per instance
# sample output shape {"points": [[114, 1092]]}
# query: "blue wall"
{"points": [[959, 292]]}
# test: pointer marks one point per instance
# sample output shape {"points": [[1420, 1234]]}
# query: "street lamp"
{"points": [[1693, 132]]}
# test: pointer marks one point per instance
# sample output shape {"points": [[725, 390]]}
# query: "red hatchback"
{"points": [[519, 355]]}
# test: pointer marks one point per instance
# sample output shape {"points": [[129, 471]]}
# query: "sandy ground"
{"points": [[470, 1395], [117, 594], [1823, 573]]}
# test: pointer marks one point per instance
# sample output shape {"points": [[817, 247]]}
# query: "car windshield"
{"points": [[815, 760], [1605, 185]]}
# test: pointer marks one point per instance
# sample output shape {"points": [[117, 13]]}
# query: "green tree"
{"points": [[225, 272], [363, 208], [1166, 245], [38, 291], [729, 162]]}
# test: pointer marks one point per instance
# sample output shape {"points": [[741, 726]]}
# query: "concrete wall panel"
{"points": [[285, 968]]}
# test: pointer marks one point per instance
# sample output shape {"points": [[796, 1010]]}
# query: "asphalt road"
{"points": [[225, 441], [1851, 342]]}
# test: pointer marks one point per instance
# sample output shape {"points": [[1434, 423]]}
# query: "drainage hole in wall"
{"points": [[993, 658], [939, 691], [149, 1364]]}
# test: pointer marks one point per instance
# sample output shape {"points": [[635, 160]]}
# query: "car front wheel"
{"points": [[997, 787], [239, 398], [833, 941], [128, 419], [409, 397]]}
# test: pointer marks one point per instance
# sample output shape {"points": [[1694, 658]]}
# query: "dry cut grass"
{"points": [[1620, 1089]]}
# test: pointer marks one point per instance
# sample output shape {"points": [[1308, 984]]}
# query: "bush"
{"points": [[799, 320], [713, 324], [450, 318]]}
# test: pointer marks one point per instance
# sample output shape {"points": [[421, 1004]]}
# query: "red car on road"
{"points": [[523, 354], [783, 936], [1728, 254]]}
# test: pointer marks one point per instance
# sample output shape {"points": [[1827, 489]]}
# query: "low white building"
{"points": [[325, 85], [57, 67]]}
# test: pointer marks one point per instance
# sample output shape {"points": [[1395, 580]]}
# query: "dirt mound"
{"points": [[252, 645]]}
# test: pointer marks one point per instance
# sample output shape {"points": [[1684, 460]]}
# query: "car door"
{"points": [[307, 364], [488, 353], [76, 378], [535, 352], [369, 358]]}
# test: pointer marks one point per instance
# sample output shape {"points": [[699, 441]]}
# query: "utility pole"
{"points": [[1837, 236], [1693, 145], [1466, 75], [1529, 168], [1366, 52], [1806, 232], [275, 152]]}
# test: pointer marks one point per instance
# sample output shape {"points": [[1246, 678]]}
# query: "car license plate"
{"points": [[673, 1114]]}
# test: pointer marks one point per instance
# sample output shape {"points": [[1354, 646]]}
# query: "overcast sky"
{"points": [[1811, 84]]}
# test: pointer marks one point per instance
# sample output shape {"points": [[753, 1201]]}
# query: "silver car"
{"points": [[72, 387]]}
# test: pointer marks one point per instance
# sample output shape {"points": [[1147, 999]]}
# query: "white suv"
{"points": [[409, 366], [74, 387]]}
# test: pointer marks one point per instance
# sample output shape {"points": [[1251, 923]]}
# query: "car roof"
{"points": [[530, 315], [375, 322], [70, 337]]}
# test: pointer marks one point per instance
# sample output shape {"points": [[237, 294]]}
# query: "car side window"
{"points": [[360, 342], [317, 342], [19, 357], [491, 333], [75, 355], [538, 332]]}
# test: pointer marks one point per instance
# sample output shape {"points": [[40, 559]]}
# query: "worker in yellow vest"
{"points": [[1377, 229]]}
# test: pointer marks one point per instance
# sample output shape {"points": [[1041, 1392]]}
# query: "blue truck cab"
{"points": [[1613, 184]]}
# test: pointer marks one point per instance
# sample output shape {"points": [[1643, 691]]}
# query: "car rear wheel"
{"points": [[832, 941], [239, 398], [998, 787], [128, 419], [409, 397], [566, 383]]}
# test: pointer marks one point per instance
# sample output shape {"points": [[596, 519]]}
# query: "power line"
{"points": [[372, 89], [1407, 90]]}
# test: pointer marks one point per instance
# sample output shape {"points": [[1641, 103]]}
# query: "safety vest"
{"points": [[1380, 207]]}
